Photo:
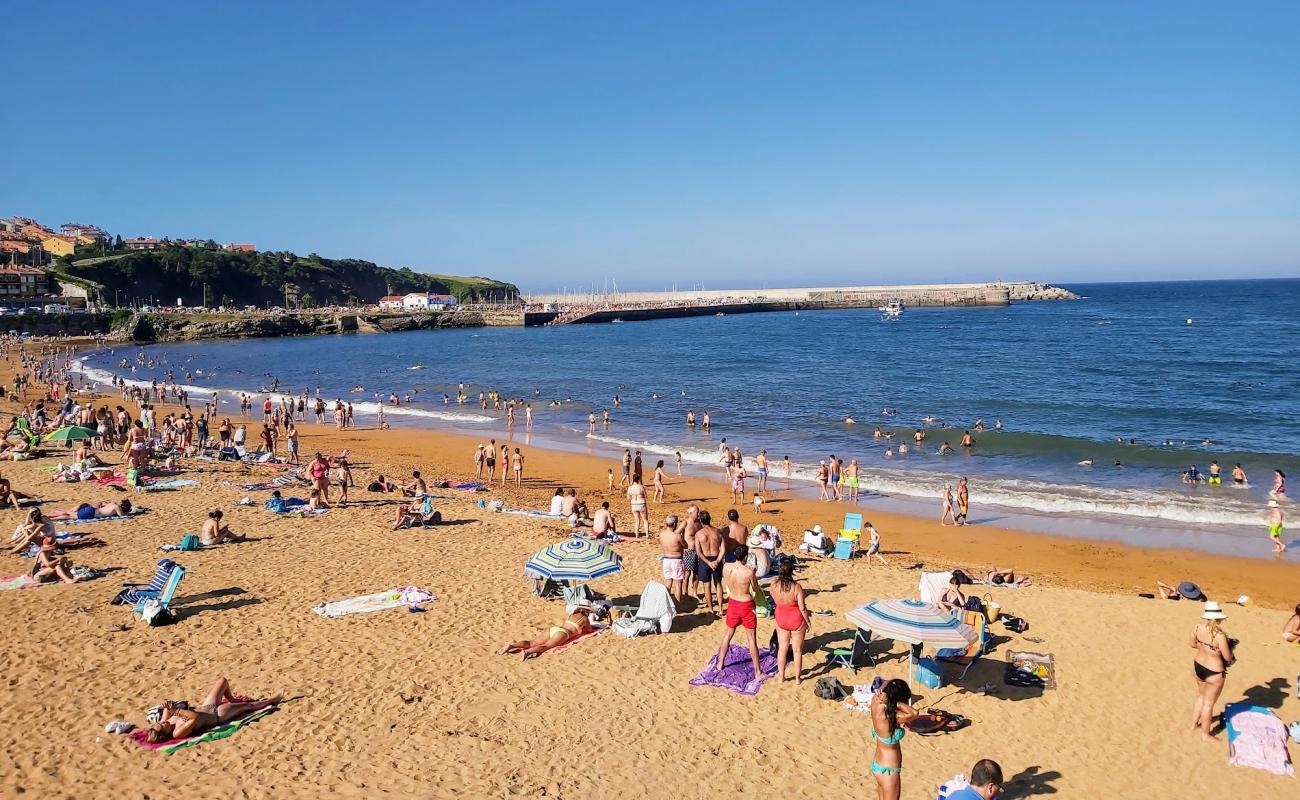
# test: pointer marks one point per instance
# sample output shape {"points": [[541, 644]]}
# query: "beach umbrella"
{"points": [[71, 433], [914, 622], [574, 560]]}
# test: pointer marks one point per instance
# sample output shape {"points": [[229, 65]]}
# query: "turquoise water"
{"points": [[1067, 379]]}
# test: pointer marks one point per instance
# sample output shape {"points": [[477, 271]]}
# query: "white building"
{"points": [[391, 302], [426, 301]]}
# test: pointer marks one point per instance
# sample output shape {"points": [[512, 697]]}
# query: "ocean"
{"points": [[1144, 379]]}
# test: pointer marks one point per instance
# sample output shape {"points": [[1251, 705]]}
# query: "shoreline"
{"points": [[419, 704]]}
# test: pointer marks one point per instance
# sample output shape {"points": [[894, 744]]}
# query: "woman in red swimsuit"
{"points": [[792, 619]]}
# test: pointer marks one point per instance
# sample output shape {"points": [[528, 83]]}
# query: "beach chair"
{"points": [[845, 548], [965, 658], [135, 592], [654, 614], [856, 656], [852, 526], [164, 597]]}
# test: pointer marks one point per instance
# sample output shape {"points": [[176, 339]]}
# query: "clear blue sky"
{"points": [[725, 143]]}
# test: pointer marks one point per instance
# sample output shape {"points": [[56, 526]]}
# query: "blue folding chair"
{"points": [[135, 592], [164, 597]]}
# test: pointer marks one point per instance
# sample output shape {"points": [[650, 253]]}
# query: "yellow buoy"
{"points": [[1189, 322]]}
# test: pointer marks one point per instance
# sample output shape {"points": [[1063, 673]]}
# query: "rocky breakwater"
{"points": [[189, 327], [1039, 291]]}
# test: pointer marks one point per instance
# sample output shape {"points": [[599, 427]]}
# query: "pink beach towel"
{"points": [[572, 642], [1257, 738]]}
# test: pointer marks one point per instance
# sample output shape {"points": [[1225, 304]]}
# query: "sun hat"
{"points": [[1212, 611], [1190, 591], [755, 540], [817, 529]]}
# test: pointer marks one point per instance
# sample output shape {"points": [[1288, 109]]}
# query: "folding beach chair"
{"points": [[135, 592], [852, 526], [965, 658], [164, 597], [856, 656], [845, 548]]}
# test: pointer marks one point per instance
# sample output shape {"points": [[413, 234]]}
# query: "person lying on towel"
{"points": [[85, 511], [177, 720], [577, 624]]}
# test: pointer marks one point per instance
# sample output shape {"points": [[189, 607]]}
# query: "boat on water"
{"points": [[892, 311]]}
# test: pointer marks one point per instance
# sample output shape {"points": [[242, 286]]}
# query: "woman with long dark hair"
{"points": [[889, 713], [792, 619]]}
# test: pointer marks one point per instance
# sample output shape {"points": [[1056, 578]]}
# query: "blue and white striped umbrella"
{"points": [[914, 622], [574, 560]]}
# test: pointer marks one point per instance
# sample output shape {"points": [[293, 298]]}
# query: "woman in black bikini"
{"points": [[178, 721], [1210, 665]]}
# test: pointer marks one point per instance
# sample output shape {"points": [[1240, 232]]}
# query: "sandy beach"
{"points": [[398, 703]]}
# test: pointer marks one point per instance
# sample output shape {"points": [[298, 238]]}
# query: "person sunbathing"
{"points": [[382, 484], [85, 511], [1006, 577], [49, 565], [36, 527], [178, 721], [1291, 630], [953, 599], [577, 624], [9, 497], [215, 533]]}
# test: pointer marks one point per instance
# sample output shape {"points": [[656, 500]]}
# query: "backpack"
{"points": [[190, 541], [831, 689], [973, 603]]}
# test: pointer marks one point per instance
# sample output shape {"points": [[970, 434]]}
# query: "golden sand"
{"points": [[396, 703]]}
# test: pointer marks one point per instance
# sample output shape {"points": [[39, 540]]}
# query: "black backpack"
{"points": [[831, 689]]}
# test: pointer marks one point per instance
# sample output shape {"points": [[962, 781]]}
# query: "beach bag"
{"points": [[154, 614], [133, 477], [1014, 624], [189, 542], [973, 603], [954, 785], [929, 673], [831, 689], [936, 721]]}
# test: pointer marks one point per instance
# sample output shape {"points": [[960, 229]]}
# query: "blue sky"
{"points": [[725, 144]]}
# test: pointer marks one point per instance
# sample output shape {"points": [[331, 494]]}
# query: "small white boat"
{"points": [[416, 366], [892, 311]]}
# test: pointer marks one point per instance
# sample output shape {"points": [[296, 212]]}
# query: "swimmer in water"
{"points": [[1214, 478], [1238, 475], [850, 421], [1087, 462]]}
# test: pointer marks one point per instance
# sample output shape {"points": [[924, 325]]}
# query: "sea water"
{"points": [[1143, 379]]}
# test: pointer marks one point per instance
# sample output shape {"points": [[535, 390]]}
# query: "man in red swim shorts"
{"points": [[738, 579]]}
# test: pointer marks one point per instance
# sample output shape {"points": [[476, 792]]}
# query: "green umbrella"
{"points": [[70, 434]]}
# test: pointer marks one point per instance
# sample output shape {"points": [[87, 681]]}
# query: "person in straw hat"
{"points": [[1210, 665]]}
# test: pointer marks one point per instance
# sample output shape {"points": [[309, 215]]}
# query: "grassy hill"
{"points": [[239, 279]]}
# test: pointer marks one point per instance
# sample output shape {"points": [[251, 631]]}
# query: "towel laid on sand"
{"points": [[135, 512], [737, 673], [471, 486], [524, 512], [1256, 738], [282, 482], [162, 486], [380, 601], [19, 582], [141, 737], [596, 631]]}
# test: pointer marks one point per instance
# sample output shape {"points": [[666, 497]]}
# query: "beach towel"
{"points": [[162, 486], [302, 511], [141, 737], [596, 631], [1256, 738], [135, 512], [67, 541], [19, 582], [737, 673], [380, 601], [469, 486], [524, 512], [280, 482]]}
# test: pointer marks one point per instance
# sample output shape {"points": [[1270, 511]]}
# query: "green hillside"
{"points": [[239, 279]]}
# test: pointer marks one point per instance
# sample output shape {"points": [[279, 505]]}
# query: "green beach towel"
{"points": [[218, 733]]}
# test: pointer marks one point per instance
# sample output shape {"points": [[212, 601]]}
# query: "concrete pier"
{"points": [[630, 306]]}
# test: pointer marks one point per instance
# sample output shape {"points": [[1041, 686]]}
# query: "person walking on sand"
{"points": [[793, 621], [505, 462], [1210, 665], [627, 469], [947, 506], [1275, 527], [963, 502], [636, 496], [760, 461], [890, 713], [738, 484], [873, 545], [673, 544], [517, 465], [659, 481], [739, 579]]}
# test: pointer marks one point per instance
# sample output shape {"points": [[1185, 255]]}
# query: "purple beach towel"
{"points": [[737, 673]]}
